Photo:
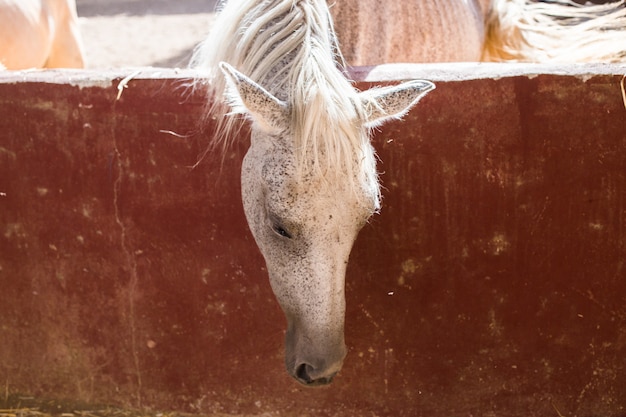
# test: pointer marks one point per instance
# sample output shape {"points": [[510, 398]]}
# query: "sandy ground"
{"points": [[131, 33]]}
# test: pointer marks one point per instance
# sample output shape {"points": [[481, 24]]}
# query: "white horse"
{"points": [[309, 179], [373, 32], [39, 34]]}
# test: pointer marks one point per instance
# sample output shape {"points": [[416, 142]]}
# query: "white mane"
{"points": [[289, 48]]}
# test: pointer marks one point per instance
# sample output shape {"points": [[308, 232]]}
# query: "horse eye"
{"points": [[276, 225], [281, 231]]}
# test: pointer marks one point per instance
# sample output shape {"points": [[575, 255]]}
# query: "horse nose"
{"points": [[309, 376], [314, 358]]}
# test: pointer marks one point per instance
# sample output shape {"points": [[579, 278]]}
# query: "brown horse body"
{"points": [[372, 32]]}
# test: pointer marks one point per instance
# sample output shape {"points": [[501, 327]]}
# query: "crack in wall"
{"points": [[131, 263]]}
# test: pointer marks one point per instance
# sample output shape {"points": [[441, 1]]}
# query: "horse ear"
{"points": [[382, 104], [246, 96]]}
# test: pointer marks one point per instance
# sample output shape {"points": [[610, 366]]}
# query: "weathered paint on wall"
{"points": [[492, 282]]}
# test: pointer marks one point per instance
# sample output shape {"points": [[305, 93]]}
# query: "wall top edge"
{"points": [[441, 72], [464, 71]]}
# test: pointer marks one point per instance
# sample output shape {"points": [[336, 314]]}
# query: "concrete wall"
{"points": [[492, 283]]}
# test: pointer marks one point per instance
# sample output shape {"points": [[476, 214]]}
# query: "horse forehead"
{"points": [[295, 192], [314, 193]]}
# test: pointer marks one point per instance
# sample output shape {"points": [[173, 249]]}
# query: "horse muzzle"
{"points": [[313, 365]]}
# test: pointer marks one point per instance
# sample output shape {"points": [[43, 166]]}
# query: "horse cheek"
{"points": [[252, 196]]}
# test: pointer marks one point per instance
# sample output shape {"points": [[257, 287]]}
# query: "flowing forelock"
{"points": [[289, 48]]}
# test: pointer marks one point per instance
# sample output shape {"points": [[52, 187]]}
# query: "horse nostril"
{"points": [[303, 374]]}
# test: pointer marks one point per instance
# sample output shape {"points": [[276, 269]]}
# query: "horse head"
{"points": [[305, 219]]}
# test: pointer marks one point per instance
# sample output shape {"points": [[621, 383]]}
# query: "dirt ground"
{"points": [[131, 33]]}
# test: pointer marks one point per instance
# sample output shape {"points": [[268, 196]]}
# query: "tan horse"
{"points": [[40, 34], [372, 32]]}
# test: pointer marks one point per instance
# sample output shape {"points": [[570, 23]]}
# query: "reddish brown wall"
{"points": [[492, 283]]}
